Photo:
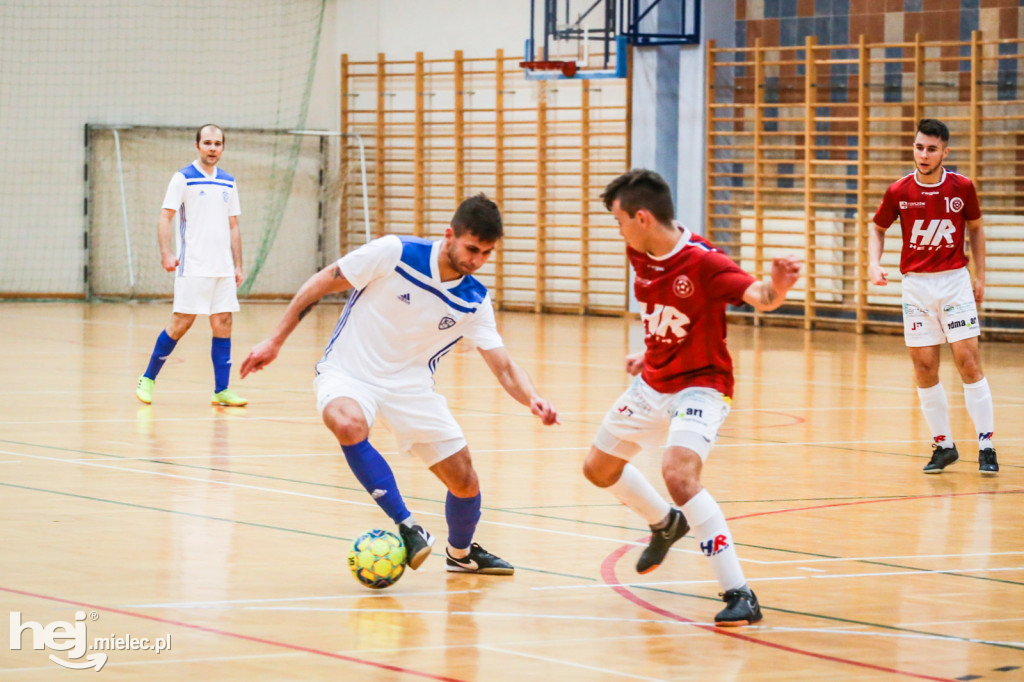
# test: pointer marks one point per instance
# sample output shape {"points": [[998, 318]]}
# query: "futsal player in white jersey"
{"points": [[413, 300], [207, 263], [936, 209]]}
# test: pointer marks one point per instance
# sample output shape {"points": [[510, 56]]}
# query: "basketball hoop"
{"points": [[568, 69]]}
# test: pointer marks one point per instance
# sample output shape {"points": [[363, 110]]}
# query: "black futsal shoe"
{"points": [[479, 560], [741, 609], [417, 544], [661, 540], [987, 463], [941, 458]]}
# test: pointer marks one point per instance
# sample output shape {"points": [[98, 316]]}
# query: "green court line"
{"points": [[548, 517], [532, 570]]}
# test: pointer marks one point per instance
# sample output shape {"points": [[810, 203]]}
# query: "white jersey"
{"points": [[204, 203], [401, 319]]}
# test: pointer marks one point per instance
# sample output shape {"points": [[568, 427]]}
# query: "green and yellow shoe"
{"points": [[228, 398], [144, 391]]}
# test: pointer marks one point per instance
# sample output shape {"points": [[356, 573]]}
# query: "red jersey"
{"points": [[933, 218], [683, 297]]}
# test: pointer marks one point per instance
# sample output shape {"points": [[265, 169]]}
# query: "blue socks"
{"points": [[462, 513], [373, 472], [164, 345], [376, 477], [220, 353]]}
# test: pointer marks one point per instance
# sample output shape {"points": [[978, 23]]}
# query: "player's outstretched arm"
{"points": [[517, 384], [770, 294], [876, 244], [329, 280]]}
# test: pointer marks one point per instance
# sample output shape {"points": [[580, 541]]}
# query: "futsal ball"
{"points": [[377, 558]]}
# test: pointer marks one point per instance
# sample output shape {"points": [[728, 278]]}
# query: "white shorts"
{"points": [[938, 307], [420, 420], [205, 295], [643, 417]]}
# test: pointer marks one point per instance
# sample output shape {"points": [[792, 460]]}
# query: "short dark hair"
{"points": [[932, 127], [479, 216], [641, 188], [199, 132]]}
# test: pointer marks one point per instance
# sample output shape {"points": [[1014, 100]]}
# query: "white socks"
{"points": [[712, 532], [978, 398], [636, 492], [936, 414]]}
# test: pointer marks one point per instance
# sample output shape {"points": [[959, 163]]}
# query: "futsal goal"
{"points": [[290, 184]]}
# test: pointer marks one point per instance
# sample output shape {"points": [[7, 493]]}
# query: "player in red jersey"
{"points": [[682, 395], [936, 208]]}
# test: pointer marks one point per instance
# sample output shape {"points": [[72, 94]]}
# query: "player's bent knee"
{"points": [[348, 428], [600, 473]]}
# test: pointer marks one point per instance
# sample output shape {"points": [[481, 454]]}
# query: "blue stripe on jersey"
{"points": [[341, 322], [191, 172], [416, 256], [416, 253], [435, 292], [694, 242], [440, 354], [207, 182], [181, 229], [470, 289]]}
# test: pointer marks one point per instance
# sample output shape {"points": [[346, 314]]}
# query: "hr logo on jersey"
{"points": [[719, 543], [664, 319], [447, 322], [682, 287], [933, 233]]}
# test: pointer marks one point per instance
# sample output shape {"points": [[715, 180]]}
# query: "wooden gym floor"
{"points": [[227, 529]]}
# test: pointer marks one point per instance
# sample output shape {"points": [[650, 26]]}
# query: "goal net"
{"points": [[158, 70], [289, 183]]}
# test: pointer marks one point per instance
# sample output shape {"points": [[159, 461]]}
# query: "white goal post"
{"points": [[290, 184]]}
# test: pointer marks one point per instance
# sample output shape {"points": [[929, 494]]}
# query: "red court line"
{"points": [[885, 499], [608, 575], [235, 635]]}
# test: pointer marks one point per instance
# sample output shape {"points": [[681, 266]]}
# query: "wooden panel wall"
{"points": [[439, 130], [803, 142]]}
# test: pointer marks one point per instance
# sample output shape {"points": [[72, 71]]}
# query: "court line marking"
{"points": [[760, 579], [208, 659], [269, 600], [491, 614], [889, 558], [608, 574], [557, 661], [234, 635], [964, 622], [336, 500], [902, 635]]}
